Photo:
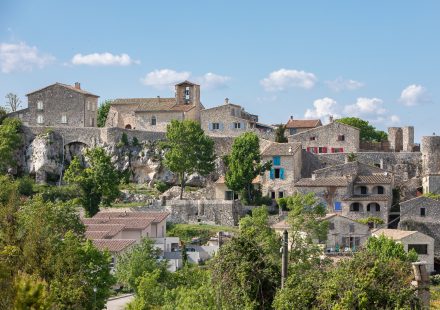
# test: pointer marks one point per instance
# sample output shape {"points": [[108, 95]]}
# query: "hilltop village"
{"points": [[368, 188]]}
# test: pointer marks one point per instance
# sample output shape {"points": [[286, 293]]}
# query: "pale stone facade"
{"points": [[61, 105], [345, 233], [294, 126]]}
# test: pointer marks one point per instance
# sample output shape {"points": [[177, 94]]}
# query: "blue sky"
{"points": [[378, 60]]}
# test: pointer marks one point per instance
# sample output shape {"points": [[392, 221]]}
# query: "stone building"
{"points": [[154, 114], [352, 189], [331, 138], [61, 105], [231, 120], [294, 126], [420, 209], [401, 139], [430, 148], [286, 169], [421, 243]]}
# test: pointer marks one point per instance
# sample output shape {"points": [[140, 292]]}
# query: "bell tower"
{"points": [[187, 93]]}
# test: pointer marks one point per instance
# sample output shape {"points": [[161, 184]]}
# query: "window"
{"points": [[272, 194], [331, 225], [63, 118], [337, 150], [371, 207], [338, 206], [351, 242], [355, 207], [215, 126], [93, 107], [363, 190], [351, 227], [312, 138], [277, 173], [423, 211], [237, 125], [153, 120], [341, 138], [280, 194], [276, 160], [40, 119], [92, 122], [229, 195], [380, 190], [322, 149], [40, 105], [419, 248], [88, 105], [292, 131]]}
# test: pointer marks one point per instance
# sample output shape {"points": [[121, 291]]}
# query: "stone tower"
{"points": [[395, 137], [430, 148], [187, 93]]}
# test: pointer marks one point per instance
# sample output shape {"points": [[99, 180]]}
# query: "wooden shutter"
{"points": [[324, 149], [272, 174], [282, 173], [210, 126]]}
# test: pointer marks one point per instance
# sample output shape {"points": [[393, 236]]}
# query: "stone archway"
{"points": [[128, 126]]}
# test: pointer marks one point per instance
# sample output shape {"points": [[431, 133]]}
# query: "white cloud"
{"points": [[414, 95], [164, 78], [323, 108], [365, 107], [103, 59], [284, 79], [341, 84], [213, 81], [21, 57]]}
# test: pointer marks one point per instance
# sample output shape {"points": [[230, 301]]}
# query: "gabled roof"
{"points": [[81, 91], [324, 127], [146, 102], [111, 229], [96, 234], [374, 170], [113, 245], [281, 149], [155, 215], [420, 200], [395, 234], [303, 123], [186, 82], [322, 182]]}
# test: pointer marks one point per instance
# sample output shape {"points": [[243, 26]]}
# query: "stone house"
{"points": [[231, 120], [60, 105], [421, 243], [353, 189], [331, 138], [420, 209], [294, 126], [285, 171], [154, 114], [222, 192]]}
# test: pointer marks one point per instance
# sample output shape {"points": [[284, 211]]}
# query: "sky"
{"points": [[377, 60]]}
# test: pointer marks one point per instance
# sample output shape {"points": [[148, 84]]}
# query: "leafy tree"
{"points": [[3, 113], [371, 220], [367, 131], [10, 140], [13, 101], [103, 110], [98, 182], [244, 164], [31, 293], [141, 259], [279, 134], [385, 248], [188, 150]]}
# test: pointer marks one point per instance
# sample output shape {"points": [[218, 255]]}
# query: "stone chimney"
{"points": [[226, 100], [77, 85], [291, 117]]}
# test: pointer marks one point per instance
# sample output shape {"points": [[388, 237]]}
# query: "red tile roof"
{"points": [[111, 229], [155, 215], [78, 90], [303, 123], [113, 245], [322, 182]]}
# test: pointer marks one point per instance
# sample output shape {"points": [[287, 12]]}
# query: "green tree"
{"points": [[385, 248], [31, 293], [279, 134], [10, 141], [188, 150], [3, 113], [367, 131], [98, 182], [103, 110], [141, 259], [244, 164]]}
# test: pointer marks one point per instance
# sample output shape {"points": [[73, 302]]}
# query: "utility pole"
{"points": [[284, 257]]}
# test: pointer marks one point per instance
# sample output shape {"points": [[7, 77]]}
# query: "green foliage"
{"points": [[385, 248], [31, 293], [124, 139], [432, 196], [186, 232], [142, 258], [135, 141], [3, 113], [99, 182], [279, 134], [244, 164], [59, 193], [367, 131], [188, 150], [352, 157], [371, 220], [161, 186], [10, 141], [103, 110], [26, 186]]}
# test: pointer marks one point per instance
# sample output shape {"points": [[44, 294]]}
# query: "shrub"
{"points": [[25, 186], [124, 139], [161, 186], [60, 193], [135, 141]]}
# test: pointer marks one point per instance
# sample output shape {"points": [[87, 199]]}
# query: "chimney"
{"points": [[226, 100], [77, 85], [330, 119], [291, 116], [313, 176]]}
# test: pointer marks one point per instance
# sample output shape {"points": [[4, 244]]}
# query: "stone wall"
{"points": [[220, 212]]}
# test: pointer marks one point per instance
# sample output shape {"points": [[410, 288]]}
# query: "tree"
{"points": [[244, 164], [3, 113], [385, 248], [279, 134], [367, 131], [13, 101], [98, 182], [10, 141], [188, 150], [103, 110]]}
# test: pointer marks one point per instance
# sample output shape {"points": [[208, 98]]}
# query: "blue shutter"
{"points": [[272, 174], [243, 125], [210, 126], [338, 206], [221, 126], [276, 160], [282, 173], [232, 126]]}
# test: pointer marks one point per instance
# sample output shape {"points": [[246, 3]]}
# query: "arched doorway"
{"points": [[128, 126]]}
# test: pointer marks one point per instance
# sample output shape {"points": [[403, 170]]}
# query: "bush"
{"points": [[25, 186], [161, 186], [435, 279], [124, 139], [60, 193], [135, 141]]}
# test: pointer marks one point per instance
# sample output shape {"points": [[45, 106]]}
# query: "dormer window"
{"points": [[40, 105]]}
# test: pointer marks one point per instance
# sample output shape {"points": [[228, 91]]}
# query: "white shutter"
{"points": [[210, 126]]}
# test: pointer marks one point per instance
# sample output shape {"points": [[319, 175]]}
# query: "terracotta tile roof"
{"points": [[322, 182], [111, 229], [71, 87], [281, 225], [395, 234], [96, 234], [113, 245], [373, 197], [186, 82], [127, 223], [281, 149], [182, 107], [373, 179], [156, 216], [303, 123]]}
